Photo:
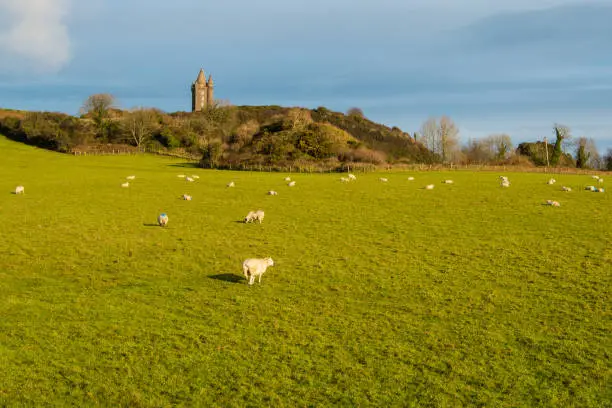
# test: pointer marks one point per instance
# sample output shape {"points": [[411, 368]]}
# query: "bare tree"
{"points": [[441, 137], [140, 123]]}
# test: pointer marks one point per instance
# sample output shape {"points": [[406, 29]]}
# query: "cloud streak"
{"points": [[34, 35]]}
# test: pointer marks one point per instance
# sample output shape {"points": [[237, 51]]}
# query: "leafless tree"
{"points": [[441, 137], [140, 123]]}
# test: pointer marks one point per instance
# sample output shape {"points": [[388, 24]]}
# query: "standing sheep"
{"points": [[344, 179], [351, 176], [162, 219], [253, 267], [19, 190], [231, 184], [259, 216]]}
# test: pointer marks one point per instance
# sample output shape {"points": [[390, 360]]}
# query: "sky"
{"points": [[515, 67]]}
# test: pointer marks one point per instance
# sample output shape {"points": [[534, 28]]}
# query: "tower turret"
{"points": [[210, 91], [199, 93]]}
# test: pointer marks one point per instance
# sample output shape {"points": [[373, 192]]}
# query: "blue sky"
{"points": [[515, 67]]}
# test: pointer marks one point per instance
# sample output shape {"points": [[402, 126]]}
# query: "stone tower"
{"points": [[202, 92]]}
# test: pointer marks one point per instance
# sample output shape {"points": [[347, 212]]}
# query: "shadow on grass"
{"points": [[152, 225], [187, 165], [227, 277]]}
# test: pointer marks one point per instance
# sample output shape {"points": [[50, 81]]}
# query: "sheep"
{"points": [[344, 179], [600, 180], [231, 184], [189, 179], [448, 182], [600, 190], [287, 178], [591, 188], [410, 178], [186, 197], [259, 216], [19, 190], [249, 217], [130, 177], [195, 177], [291, 184], [181, 176], [553, 203], [162, 219], [429, 187], [383, 179], [253, 267], [566, 188], [595, 177], [551, 181], [125, 185], [504, 178], [505, 183], [351, 176], [272, 192]]}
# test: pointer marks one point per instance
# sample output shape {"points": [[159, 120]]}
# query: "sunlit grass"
{"points": [[382, 294]]}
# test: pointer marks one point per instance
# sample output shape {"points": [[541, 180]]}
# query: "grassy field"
{"points": [[383, 294]]}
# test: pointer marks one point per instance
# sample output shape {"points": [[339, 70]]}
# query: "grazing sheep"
{"points": [[287, 178], [125, 185], [551, 181], [504, 178], [186, 197], [250, 217], [130, 177], [351, 176], [448, 182], [259, 216], [410, 178], [344, 179], [253, 267], [566, 188], [505, 183], [595, 177], [429, 187], [272, 192], [195, 177], [162, 219], [591, 188], [189, 179], [383, 179], [19, 190], [231, 184], [291, 184], [553, 203], [181, 176]]}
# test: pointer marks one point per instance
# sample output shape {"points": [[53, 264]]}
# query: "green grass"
{"points": [[381, 295]]}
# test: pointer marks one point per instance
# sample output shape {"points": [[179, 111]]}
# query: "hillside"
{"points": [[226, 136]]}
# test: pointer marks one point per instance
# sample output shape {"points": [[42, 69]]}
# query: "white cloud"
{"points": [[34, 35]]}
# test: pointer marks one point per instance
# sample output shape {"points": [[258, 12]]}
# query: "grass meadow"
{"points": [[382, 294]]}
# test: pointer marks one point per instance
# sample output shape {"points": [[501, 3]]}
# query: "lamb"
{"points": [[186, 197], [250, 217], [383, 179], [291, 184], [566, 188], [448, 182], [553, 203], [231, 184], [130, 177], [189, 179], [287, 178], [352, 176], [125, 185], [162, 219], [19, 190], [272, 192], [551, 181], [253, 267], [429, 187]]}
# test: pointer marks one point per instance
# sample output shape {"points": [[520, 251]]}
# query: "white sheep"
{"points": [[259, 216], [253, 267], [595, 177], [505, 183], [383, 179], [551, 181], [186, 197], [344, 179], [448, 182], [189, 179], [287, 178], [19, 190], [130, 177], [600, 180], [600, 190], [250, 217], [291, 184], [272, 192], [162, 219], [125, 185], [566, 188], [429, 187], [410, 178], [195, 177], [351, 176], [591, 188], [181, 176], [553, 203], [231, 184]]}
